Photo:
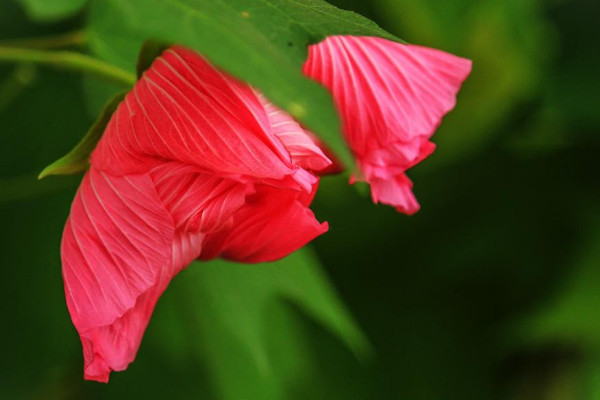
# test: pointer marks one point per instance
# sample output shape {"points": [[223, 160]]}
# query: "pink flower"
{"points": [[391, 98], [192, 164]]}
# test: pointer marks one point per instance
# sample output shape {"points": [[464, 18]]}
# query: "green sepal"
{"points": [[77, 160]]}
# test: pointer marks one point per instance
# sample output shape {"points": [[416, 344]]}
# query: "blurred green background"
{"points": [[492, 291]]}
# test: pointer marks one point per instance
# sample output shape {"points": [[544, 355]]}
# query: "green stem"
{"points": [[68, 60], [69, 39]]}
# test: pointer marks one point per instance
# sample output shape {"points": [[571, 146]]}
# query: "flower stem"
{"points": [[68, 60], [69, 39]]}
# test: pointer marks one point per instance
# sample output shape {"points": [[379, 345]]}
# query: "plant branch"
{"points": [[68, 60], [69, 39]]}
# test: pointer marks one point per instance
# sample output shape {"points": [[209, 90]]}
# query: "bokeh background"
{"points": [[492, 291]]}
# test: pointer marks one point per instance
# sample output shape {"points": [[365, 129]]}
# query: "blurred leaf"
{"points": [[593, 375], [48, 10], [232, 306], [263, 42], [98, 93], [36, 332], [572, 316], [40, 124], [574, 92], [77, 160]]}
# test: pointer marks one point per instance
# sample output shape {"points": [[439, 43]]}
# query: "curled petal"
{"points": [[198, 201], [396, 191], [391, 98], [119, 251], [115, 242], [185, 110], [113, 347], [301, 144], [273, 224]]}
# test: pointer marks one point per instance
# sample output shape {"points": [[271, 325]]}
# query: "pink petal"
{"points": [[301, 144], [198, 201], [392, 98], [396, 191], [119, 251], [115, 242], [273, 224], [113, 347], [185, 110]]}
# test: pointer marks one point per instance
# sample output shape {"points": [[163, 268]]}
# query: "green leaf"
{"points": [[263, 42], [238, 314], [77, 160], [50, 10], [572, 315], [150, 50]]}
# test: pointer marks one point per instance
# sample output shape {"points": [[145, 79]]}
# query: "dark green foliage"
{"points": [[77, 160], [489, 292], [44, 10]]}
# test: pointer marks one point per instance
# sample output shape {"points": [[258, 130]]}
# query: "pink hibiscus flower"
{"points": [[192, 164], [195, 164], [391, 98]]}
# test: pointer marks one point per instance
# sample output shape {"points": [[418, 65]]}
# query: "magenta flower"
{"points": [[192, 164], [391, 98], [195, 164]]}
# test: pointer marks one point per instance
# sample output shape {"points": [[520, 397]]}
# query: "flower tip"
{"points": [[409, 211], [98, 370], [335, 166], [469, 64], [468, 67], [102, 378]]}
